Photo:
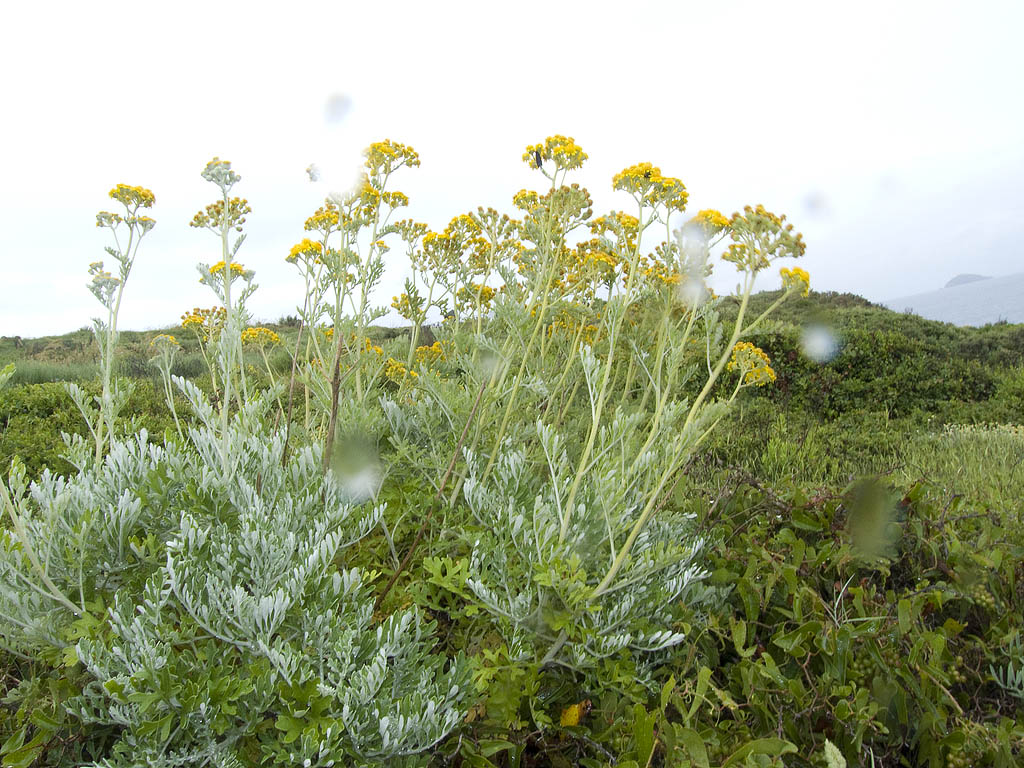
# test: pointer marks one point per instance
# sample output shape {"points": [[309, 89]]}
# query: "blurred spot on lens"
{"points": [[819, 343], [692, 291], [873, 521], [487, 364], [816, 204], [356, 466], [337, 107]]}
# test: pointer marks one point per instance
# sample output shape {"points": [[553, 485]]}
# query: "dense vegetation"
{"points": [[362, 561]]}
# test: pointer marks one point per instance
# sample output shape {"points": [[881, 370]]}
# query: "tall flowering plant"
{"points": [[611, 364], [127, 229]]}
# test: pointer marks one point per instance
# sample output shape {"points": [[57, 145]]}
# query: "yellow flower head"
{"points": [[526, 200], [325, 219], [752, 363], [384, 157], [212, 216], [710, 221], [796, 279], [469, 294], [562, 150], [411, 308], [762, 237], [396, 372], [219, 172], [645, 182], [260, 336], [205, 323], [165, 341], [107, 219], [236, 268], [429, 355], [133, 197], [308, 249]]}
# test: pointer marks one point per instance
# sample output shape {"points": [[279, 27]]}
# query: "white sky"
{"points": [[890, 133]]}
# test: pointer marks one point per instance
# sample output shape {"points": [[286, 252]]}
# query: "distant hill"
{"points": [[969, 300], [961, 279]]}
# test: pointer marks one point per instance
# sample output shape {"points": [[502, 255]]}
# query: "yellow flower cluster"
{"points": [[646, 183], [753, 364], [526, 200], [429, 355], [325, 219], [219, 172], [658, 270], [407, 308], [563, 150], [622, 225], [760, 236], [210, 217], [165, 341], [205, 323], [307, 248], [796, 279], [387, 156], [371, 347], [395, 371], [395, 199], [236, 268], [467, 295], [710, 221], [260, 336], [107, 219], [133, 197], [567, 325]]}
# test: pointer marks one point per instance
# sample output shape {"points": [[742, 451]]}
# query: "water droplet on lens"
{"points": [[819, 343], [356, 467], [337, 108]]}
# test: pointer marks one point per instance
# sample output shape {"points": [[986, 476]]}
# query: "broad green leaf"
{"points": [[694, 744], [903, 615], [643, 733], [772, 747]]}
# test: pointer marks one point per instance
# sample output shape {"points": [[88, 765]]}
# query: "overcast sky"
{"points": [[890, 133]]}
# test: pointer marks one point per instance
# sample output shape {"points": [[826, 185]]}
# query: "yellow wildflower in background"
{"points": [[429, 355], [205, 323], [260, 336], [796, 279], [409, 308], [165, 340], [753, 364], [468, 295], [397, 372]]}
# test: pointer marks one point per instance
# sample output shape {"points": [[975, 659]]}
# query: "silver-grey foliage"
{"points": [[211, 605]]}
